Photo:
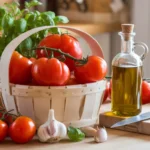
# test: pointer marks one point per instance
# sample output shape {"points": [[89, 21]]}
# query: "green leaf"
{"points": [[20, 25], [13, 8], [55, 31], [25, 46], [37, 13], [9, 38], [27, 15], [2, 44], [2, 13], [7, 23], [31, 20], [75, 134], [32, 3], [47, 20], [49, 13], [61, 19]]}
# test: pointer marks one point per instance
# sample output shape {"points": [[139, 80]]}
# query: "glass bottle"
{"points": [[127, 75]]}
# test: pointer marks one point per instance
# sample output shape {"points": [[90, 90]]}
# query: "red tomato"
{"points": [[3, 130], [110, 86], [94, 70], [19, 69], [106, 94], [50, 72], [64, 42], [32, 59], [145, 92], [72, 81], [22, 130], [9, 119]]}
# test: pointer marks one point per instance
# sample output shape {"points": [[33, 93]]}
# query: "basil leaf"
{"points": [[2, 13], [2, 44], [28, 15], [47, 20], [49, 13], [55, 31], [31, 21], [7, 21], [37, 13], [61, 19], [20, 25], [32, 3], [75, 134], [25, 46]]}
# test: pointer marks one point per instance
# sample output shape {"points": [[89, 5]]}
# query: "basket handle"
{"points": [[8, 51]]}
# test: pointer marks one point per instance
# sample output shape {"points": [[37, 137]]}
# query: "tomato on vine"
{"points": [[65, 43], [50, 72], [93, 70]]}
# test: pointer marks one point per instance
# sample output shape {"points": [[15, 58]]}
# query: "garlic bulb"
{"points": [[51, 131], [101, 135]]}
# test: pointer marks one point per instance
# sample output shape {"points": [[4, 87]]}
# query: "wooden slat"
{"points": [[58, 104], [25, 106], [54, 92], [72, 108], [97, 104], [41, 109], [88, 106]]}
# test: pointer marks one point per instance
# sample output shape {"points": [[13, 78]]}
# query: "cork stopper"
{"points": [[127, 29]]}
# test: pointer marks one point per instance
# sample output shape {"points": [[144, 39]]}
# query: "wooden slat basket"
{"points": [[76, 105]]}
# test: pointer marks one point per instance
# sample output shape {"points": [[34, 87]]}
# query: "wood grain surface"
{"points": [[107, 119], [117, 140]]}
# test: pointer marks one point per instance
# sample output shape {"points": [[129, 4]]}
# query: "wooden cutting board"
{"points": [[107, 119]]}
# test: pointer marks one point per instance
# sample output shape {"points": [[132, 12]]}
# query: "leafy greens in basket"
{"points": [[14, 21]]}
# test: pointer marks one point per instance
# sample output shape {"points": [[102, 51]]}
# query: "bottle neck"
{"points": [[127, 41]]}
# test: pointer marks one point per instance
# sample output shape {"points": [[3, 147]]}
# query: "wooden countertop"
{"points": [[117, 140], [93, 29]]}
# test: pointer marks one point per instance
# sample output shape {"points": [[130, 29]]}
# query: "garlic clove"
{"points": [[42, 134], [101, 135], [89, 131]]}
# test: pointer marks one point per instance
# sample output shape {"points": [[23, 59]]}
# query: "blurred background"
{"points": [[102, 19]]}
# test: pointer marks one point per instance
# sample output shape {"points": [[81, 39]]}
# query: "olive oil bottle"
{"points": [[127, 73]]}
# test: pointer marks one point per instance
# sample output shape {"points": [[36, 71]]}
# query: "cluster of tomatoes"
{"points": [[47, 69], [20, 129], [145, 92]]}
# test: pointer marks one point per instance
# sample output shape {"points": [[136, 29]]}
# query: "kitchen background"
{"points": [[102, 19]]}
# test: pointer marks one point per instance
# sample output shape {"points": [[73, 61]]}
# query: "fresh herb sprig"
{"points": [[75, 134], [14, 21]]}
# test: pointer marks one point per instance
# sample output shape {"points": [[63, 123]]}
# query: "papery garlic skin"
{"points": [[51, 131], [101, 135]]}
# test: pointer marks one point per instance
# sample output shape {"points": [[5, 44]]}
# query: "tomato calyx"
{"points": [[78, 62]]}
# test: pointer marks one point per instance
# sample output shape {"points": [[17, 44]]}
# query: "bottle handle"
{"points": [[144, 46]]}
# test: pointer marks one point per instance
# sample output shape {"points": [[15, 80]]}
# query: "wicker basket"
{"points": [[77, 105]]}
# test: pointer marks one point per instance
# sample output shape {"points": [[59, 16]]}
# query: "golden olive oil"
{"points": [[126, 90]]}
